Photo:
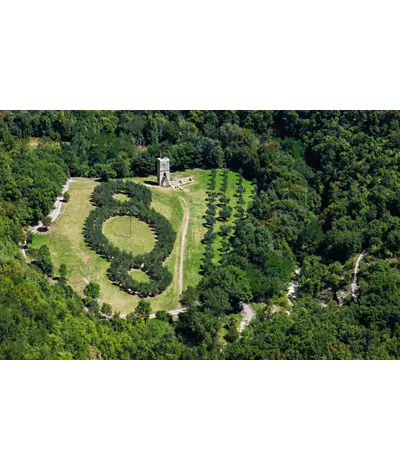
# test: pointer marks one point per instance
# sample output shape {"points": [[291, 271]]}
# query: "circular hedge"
{"points": [[121, 261]]}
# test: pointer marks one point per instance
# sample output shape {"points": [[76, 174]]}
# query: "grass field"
{"points": [[129, 234], [139, 275], [66, 243], [121, 197]]}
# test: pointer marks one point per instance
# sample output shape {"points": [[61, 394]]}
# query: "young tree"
{"points": [[225, 213], [189, 297], [106, 173], [47, 222], [92, 290], [92, 305], [44, 260], [225, 245], [163, 315], [106, 309], [63, 272], [67, 196], [29, 237], [143, 309], [225, 229]]}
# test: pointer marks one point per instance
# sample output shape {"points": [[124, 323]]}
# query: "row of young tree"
{"points": [[217, 202], [225, 212], [209, 223], [123, 262]]}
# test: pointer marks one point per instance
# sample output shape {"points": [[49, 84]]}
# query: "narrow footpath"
{"points": [[53, 214], [183, 243], [175, 313], [247, 316], [354, 286]]}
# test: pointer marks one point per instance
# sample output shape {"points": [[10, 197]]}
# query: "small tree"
{"points": [[225, 229], [225, 213], [44, 260], [92, 290], [106, 309], [67, 196], [107, 173], [29, 237], [164, 316], [92, 305], [143, 309], [189, 297], [225, 246], [224, 200], [63, 272], [46, 222]]}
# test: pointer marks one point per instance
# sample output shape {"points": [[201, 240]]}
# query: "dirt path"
{"points": [[293, 287], [53, 214], [248, 313], [173, 313], [59, 201], [354, 286], [247, 316], [180, 255], [183, 243], [57, 206]]}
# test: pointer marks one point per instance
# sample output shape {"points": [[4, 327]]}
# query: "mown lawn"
{"points": [[139, 275], [130, 234], [121, 197]]}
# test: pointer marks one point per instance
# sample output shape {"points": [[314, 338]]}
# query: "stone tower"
{"points": [[163, 171]]}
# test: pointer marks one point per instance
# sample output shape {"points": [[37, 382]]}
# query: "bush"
{"points": [[47, 222], [225, 213], [92, 290], [44, 260]]}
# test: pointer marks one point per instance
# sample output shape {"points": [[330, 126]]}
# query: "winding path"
{"points": [[354, 286], [53, 214], [175, 313], [183, 243], [247, 316], [60, 200]]}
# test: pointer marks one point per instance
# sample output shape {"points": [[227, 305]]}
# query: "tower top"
{"points": [[163, 171]]}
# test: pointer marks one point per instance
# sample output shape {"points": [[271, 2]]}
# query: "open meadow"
{"points": [[182, 208]]}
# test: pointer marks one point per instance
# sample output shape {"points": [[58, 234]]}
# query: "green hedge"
{"points": [[121, 261]]}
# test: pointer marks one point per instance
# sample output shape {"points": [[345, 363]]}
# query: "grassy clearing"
{"points": [[67, 245], [130, 234], [139, 275], [121, 197]]}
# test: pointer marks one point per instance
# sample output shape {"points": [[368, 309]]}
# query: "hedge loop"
{"points": [[121, 261]]}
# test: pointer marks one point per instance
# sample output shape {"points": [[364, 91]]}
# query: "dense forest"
{"points": [[327, 188]]}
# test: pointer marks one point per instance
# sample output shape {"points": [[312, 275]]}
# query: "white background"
{"points": [[209, 54], [199, 55]]}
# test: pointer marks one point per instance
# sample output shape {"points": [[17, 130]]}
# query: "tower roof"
{"points": [[163, 159]]}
